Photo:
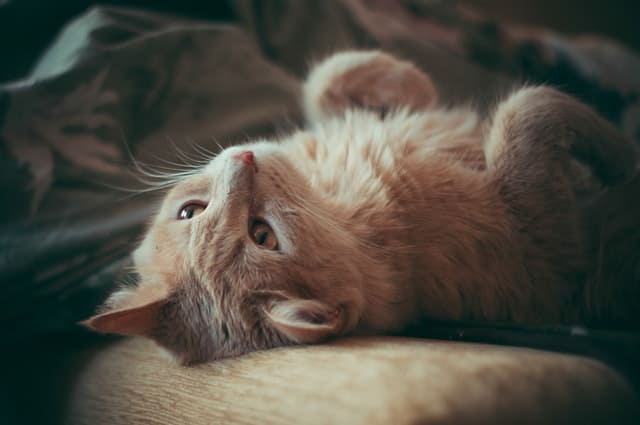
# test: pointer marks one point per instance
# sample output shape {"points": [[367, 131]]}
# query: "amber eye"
{"points": [[262, 235], [191, 210]]}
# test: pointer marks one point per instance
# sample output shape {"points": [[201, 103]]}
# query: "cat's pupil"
{"points": [[189, 211], [186, 213], [263, 236]]}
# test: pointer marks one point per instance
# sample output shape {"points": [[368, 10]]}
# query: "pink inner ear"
{"points": [[305, 321], [139, 320]]}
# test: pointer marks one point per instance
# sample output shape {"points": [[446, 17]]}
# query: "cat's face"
{"points": [[243, 256]]}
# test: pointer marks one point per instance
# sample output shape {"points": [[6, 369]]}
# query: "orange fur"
{"points": [[387, 208]]}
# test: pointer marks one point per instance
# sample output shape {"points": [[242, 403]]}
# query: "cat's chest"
{"points": [[361, 160], [356, 170]]}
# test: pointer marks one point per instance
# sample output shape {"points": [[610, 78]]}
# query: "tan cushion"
{"points": [[353, 381]]}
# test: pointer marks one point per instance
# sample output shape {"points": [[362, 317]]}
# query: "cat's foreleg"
{"points": [[365, 79]]}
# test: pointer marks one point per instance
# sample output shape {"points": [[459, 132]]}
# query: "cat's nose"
{"points": [[246, 157]]}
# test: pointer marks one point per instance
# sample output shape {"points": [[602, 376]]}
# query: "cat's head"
{"points": [[241, 257], [244, 255]]}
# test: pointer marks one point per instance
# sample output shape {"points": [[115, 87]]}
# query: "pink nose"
{"points": [[246, 157]]}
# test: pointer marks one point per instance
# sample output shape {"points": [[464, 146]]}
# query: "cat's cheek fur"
{"points": [[144, 253]]}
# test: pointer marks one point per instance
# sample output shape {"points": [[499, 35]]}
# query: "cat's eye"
{"points": [[263, 235], [191, 210]]}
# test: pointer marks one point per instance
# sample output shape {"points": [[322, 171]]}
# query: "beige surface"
{"points": [[354, 381]]}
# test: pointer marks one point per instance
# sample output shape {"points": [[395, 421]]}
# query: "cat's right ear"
{"points": [[305, 321], [138, 316], [365, 79]]}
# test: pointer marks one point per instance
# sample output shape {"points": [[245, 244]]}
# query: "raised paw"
{"points": [[365, 79]]}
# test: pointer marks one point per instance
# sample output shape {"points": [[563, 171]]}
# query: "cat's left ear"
{"points": [[134, 319], [365, 79], [305, 321]]}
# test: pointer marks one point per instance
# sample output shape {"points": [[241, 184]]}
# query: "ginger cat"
{"points": [[388, 208]]}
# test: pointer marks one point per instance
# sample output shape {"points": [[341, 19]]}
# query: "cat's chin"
{"points": [[170, 357], [192, 359], [182, 358]]}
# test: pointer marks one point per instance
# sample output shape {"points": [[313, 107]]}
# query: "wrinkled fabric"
{"points": [[119, 84]]}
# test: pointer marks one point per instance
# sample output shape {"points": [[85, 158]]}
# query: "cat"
{"points": [[389, 207]]}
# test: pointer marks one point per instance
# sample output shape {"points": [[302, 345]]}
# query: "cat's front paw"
{"points": [[365, 79]]}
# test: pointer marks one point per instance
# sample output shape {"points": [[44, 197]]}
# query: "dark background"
{"points": [[28, 26]]}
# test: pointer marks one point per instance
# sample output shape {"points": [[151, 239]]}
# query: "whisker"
{"points": [[184, 156], [206, 153]]}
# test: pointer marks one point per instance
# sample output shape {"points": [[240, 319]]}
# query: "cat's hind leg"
{"points": [[534, 135], [538, 129]]}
